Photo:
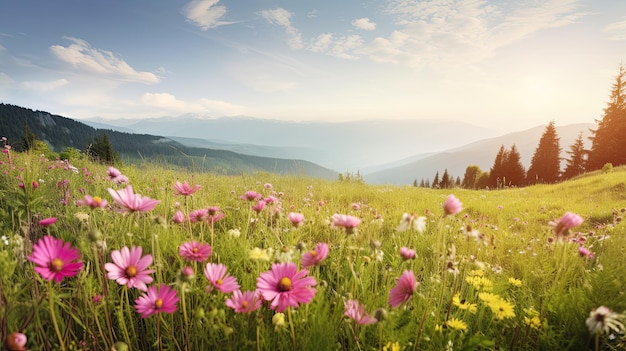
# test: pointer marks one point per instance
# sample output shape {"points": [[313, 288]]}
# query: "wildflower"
{"points": [[200, 215], [47, 221], [113, 173], [55, 259], [5, 240], [129, 268], [296, 219], [96, 299], [16, 341], [500, 307], [258, 254], [603, 319], [585, 252], [412, 221], [259, 206], [406, 253], [219, 279], [235, 233], [186, 274], [515, 282], [479, 283], [185, 189], [392, 347], [93, 202], [214, 214], [315, 256], [567, 222], [278, 320], [463, 304], [132, 202], [285, 286], [179, 217], [357, 312], [156, 300], [268, 186], [245, 302], [452, 205], [404, 289], [350, 223], [533, 322], [285, 254], [457, 324], [251, 196], [194, 251]]}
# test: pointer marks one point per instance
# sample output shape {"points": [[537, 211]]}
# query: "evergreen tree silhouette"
{"points": [[576, 162], [545, 165]]}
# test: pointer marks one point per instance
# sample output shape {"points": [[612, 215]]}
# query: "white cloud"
{"points": [[205, 14], [44, 86], [5, 79], [168, 103], [101, 62], [342, 46], [616, 30], [282, 18], [321, 43], [364, 24]]}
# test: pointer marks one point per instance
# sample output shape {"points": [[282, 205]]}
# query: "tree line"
{"points": [[608, 149]]}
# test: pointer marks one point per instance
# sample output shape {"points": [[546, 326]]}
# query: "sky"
{"points": [[503, 65]]}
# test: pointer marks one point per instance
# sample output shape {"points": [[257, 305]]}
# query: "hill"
{"points": [[480, 153], [62, 132]]}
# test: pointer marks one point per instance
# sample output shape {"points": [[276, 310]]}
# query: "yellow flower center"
{"points": [[219, 282], [194, 250], [313, 253], [56, 265], [131, 271], [284, 284], [97, 199], [244, 304], [158, 304]]}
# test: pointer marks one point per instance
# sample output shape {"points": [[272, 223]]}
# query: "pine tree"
{"points": [[28, 139], [545, 165], [576, 163], [102, 150], [436, 181], [515, 175], [446, 182], [609, 143], [497, 172]]}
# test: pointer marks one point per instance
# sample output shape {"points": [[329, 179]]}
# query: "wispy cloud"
{"points": [[616, 30], [168, 103], [364, 24], [282, 18], [205, 14], [101, 62], [44, 86]]}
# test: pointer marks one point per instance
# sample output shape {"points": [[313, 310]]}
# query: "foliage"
{"points": [[507, 169], [576, 162], [545, 166]]}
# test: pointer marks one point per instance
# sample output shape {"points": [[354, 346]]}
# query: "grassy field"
{"points": [[494, 276]]}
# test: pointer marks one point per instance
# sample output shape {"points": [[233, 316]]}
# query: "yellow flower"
{"points": [[476, 273], [533, 322], [457, 324], [515, 282], [500, 307], [278, 320], [438, 328], [488, 297], [480, 283], [258, 254], [392, 347], [462, 304], [531, 312]]}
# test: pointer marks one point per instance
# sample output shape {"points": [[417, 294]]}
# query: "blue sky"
{"points": [[505, 65]]}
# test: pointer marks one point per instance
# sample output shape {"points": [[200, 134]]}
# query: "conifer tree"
{"points": [[497, 172], [435, 183], [515, 175], [609, 141], [576, 162], [28, 139], [446, 182], [545, 165]]}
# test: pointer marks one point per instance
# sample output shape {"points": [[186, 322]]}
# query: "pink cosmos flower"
{"points": [[46, 222], [93, 202], [156, 300], [296, 219], [219, 279], [200, 215], [567, 222], [194, 251], [55, 259], [179, 217], [129, 268], [406, 253], [113, 172], [251, 196], [214, 214], [245, 302], [357, 312], [452, 205], [16, 341], [585, 252], [315, 256], [185, 189], [404, 289], [350, 223], [132, 202], [285, 286], [259, 206]]}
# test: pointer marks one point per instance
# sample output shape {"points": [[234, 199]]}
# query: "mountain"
{"points": [[480, 153], [60, 133], [340, 146]]}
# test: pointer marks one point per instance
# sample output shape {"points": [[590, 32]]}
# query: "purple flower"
{"points": [[404, 289], [219, 279], [452, 205], [285, 287], [315, 256], [54, 259], [357, 312], [163, 299]]}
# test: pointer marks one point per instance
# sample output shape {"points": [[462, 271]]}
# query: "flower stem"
{"points": [[293, 333], [54, 316]]}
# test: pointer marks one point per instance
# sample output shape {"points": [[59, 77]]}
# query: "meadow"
{"points": [[267, 262]]}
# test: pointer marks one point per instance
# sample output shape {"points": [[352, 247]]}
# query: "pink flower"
{"points": [[194, 251], [219, 279], [122, 179], [348, 222], [214, 214], [285, 286], [296, 218], [132, 202], [585, 252], [113, 172], [315, 256], [452, 205], [185, 189], [47, 221], [55, 259], [404, 289], [16, 341], [251, 196], [179, 217], [357, 312], [163, 299], [200, 215], [129, 268], [259, 206], [93, 202], [245, 302], [406, 253], [567, 222]]}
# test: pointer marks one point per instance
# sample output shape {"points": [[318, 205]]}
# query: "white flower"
{"points": [[409, 221], [5, 239], [602, 319], [235, 233]]}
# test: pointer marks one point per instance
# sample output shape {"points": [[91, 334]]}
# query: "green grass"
{"points": [[556, 282]]}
